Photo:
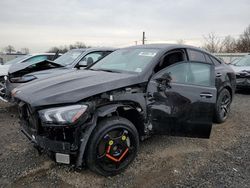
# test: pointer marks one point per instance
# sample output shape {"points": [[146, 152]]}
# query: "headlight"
{"points": [[63, 115], [23, 79]]}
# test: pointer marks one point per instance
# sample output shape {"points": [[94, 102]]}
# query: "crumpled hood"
{"points": [[28, 67], [238, 69], [72, 87], [4, 70]]}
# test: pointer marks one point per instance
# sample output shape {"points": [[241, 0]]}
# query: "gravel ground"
{"points": [[221, 161]]}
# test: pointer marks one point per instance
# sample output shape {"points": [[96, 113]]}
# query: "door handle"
{"points": [[206, 95], [218, 74]]}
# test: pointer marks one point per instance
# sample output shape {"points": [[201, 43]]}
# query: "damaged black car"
{"points": [[96, 117]]}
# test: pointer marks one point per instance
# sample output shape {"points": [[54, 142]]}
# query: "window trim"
{"points": [[212, 57], [91, 53]]}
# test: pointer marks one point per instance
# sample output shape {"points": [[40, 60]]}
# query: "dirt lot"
{"points": [[221, 161]]}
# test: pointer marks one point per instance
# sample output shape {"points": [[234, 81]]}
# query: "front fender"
{"points": [[108, 109], [101, 112]]}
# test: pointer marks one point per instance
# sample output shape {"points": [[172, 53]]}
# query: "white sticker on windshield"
{"points": [[138, 70], [148, 54]]}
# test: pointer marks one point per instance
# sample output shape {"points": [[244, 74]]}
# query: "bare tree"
{"points": [[243, 43], [9, 49], [212, 43], [229, 44], [77, 45], [25, 50], [61, 49]]}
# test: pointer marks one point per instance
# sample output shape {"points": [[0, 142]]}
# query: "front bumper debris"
{"points": [[47, 144]]}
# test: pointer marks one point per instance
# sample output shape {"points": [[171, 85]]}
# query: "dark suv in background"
{"points": [[97, 116]]}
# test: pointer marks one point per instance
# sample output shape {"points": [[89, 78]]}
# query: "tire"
{"points": [[98, 152], [2, 87], [222, 108]]}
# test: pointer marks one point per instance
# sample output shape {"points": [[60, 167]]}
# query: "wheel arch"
{"points": [[133, 112], [228, 87]]}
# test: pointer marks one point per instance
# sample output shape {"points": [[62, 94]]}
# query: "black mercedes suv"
{"points": [[96, 117]]}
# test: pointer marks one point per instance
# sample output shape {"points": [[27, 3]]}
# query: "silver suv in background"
{"points": [[68, 62], [242, 71], [26, 59]]}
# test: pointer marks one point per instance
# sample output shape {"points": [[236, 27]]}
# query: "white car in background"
{"points": [[4, 69]]}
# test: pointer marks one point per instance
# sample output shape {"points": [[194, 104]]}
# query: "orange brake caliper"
{"points": [[113, 158]]}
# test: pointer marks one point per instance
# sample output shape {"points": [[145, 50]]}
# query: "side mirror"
{"points": [[82, 63], [85, 62]]}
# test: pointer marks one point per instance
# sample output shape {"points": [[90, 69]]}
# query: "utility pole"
{"points": [[143, 38]]}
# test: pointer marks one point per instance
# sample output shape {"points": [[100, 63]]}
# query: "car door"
{"points": [[181, 99]]}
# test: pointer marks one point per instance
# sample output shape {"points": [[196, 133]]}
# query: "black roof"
{"points": [[164, 46], [94, 49]]}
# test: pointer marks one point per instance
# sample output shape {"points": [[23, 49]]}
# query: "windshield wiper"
{"points": [[106, 70]]}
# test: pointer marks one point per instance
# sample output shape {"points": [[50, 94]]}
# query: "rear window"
{"points": [[196, 56]]}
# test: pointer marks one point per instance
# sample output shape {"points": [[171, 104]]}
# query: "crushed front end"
{"points": [[57, 131], [243, 79]]}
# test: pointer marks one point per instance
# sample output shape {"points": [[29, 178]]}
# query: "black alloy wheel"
{"points": [[223, 106], [2, 87], [113, 146]]}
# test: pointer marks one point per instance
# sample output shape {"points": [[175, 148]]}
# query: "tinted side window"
{"points": [[190, 73], [196, 56], [91, 58], [37, 59]]}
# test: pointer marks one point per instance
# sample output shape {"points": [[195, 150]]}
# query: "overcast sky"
{"points": [[42, 24]]}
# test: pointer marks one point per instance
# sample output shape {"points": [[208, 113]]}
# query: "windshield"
{"points": [[245, 61], [126, 60], [68, 58], [18, 59]]}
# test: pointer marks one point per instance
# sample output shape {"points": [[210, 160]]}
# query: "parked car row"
{"points": [[26, 59], [95, 116], [42, 66], [242, 70]]}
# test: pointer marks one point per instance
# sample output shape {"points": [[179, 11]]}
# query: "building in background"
{"points": [[230, 57], [4, 57]]}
